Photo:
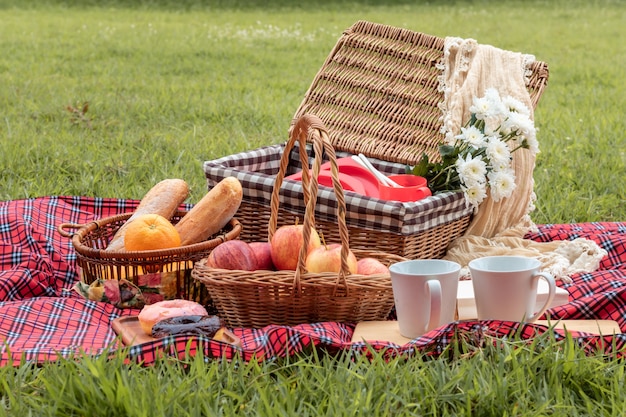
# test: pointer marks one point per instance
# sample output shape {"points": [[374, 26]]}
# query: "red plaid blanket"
{"points": [[42, 319]]}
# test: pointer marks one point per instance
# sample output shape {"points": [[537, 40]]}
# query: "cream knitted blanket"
{"points": [[498, 228]]}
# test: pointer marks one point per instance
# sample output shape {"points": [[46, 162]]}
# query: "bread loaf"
{"points": [[212, 212], [164, 199]]}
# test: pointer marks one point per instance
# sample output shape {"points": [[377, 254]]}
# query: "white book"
{"points": [[466, 304]]}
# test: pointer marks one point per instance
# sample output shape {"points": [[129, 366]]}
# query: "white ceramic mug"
{"points": [[505, 288], [424, 291]]}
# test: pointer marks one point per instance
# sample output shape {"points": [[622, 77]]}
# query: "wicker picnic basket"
{"points": [[260, 298], [159, 274], [378, 93]]}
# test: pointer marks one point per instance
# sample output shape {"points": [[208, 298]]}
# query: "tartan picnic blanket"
{"points": [[43, 319]]}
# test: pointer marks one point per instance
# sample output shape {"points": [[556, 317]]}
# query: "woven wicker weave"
{"points": [[90, 240], [378, 94], [260, 298]]}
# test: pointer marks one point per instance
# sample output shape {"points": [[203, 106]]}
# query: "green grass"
{"points": [[169, 88], [171, 84], [545, 377]]}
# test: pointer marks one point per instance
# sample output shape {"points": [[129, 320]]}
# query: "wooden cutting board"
{"points": [[129, 329], [388, 331]]}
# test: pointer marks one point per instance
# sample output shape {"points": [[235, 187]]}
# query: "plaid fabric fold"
{"points": [[42, 319], [35, 260]]}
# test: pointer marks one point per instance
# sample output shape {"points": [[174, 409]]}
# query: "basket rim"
{"points": [[234, 225]]}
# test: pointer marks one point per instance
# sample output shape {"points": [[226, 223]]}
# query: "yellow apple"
{"points": [[327, 258]]}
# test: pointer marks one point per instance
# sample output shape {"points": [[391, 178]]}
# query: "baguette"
{"points": [[164, 199], [212, 212]]}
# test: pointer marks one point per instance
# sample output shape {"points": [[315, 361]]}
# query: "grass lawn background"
{"points": [[170, 84], [169, 87]]}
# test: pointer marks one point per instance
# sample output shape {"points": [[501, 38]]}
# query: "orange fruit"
{"points": [[150, 232]]}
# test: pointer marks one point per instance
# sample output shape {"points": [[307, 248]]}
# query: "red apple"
{"points": [[371, 266], [263, 254], [232, 254], [286, 244], [328, 259]]}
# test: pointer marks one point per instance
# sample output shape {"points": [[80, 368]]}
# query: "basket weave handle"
{"points": [[311, 128], [61, 228]]}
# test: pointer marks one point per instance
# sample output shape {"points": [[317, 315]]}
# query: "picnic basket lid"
{"points": [[378, 92]]}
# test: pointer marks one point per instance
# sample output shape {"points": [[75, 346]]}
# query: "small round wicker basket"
{"points": [[163, 272]]}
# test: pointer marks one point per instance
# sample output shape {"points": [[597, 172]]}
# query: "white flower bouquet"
{"points": [[478, 160]]}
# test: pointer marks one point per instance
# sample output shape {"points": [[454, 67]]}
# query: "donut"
{"points": [[153, 313]]}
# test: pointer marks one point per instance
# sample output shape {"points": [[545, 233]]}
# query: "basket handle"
{"points": [[311, 128], [61, 228]]}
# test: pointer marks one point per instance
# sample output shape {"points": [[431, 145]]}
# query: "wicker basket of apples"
{"points": [[295, 277]]}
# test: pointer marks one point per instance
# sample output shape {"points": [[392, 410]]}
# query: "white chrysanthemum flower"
{"points": [[492, 94], [497, 127], [501, 184], [488, 106], [520, 123], [533, 144], [471, 170], [481, 107], [514, 105], [498, 153], [528, 136], [473, 136], [474, 194], [500, 166]]}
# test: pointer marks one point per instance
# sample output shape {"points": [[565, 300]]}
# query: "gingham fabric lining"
{"points": [[41, 319], [257, 169]]}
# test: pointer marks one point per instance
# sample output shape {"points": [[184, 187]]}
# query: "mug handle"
{"points": [[434, 295], [551, 292]]}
